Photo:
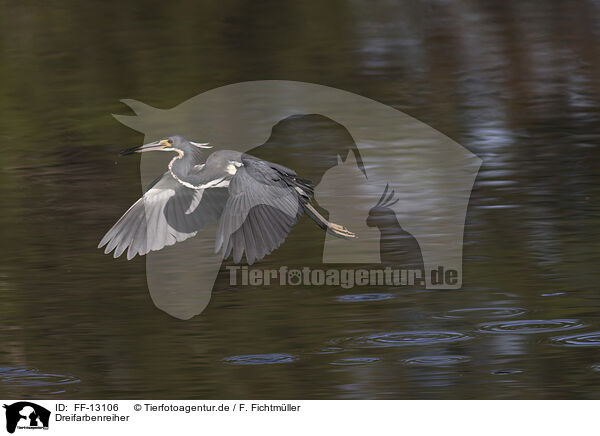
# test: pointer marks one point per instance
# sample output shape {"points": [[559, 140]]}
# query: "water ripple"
{"points": [[329, 350], [402, 339], [260, 359], [436, 360], [355, 361], [506, 371], [483, 312], [356, 298], [591, 339], [530, 326], [29, 377]]}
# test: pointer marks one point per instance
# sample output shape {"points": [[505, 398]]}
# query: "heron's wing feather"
{"points": [[259, 213], [167, 213]]}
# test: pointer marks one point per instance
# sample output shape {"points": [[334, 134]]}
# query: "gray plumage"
{"points": [[255, 202]]}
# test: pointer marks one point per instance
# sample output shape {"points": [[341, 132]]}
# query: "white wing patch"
{"points": [[232, 167], [195, 202]]}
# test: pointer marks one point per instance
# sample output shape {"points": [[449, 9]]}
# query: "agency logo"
{"points": [[26, 415], [401, 187]]}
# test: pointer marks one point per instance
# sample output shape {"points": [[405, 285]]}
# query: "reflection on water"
{"points": [[436, 360], [355, 361], [582, 340], [484, 312], [259, 359], [527, 326], [517, 83], [357, 298], [18, 381], [400, 339]]}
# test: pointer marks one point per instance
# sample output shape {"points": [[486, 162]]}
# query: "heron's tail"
{"points": [[306, 186], [306, 190]]}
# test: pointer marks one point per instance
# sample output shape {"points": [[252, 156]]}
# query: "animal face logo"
{"points": [[26, 415], [400, 185]]}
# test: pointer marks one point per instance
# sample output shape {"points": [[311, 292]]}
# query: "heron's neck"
{"points": [[181, 163], [192, 174], [180, 168]]}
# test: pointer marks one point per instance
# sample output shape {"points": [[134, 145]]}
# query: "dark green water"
{"points": [[517, 83]]}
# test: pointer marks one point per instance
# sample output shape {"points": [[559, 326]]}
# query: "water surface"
{"points": [[517, 83]]}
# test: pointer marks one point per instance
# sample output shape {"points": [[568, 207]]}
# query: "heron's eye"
{"points": [[170, 141]]}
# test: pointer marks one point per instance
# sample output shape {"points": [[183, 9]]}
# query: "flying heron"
{"points": [[254, 201]]}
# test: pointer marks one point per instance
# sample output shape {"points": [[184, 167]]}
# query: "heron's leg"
{"points": [[332, 228]]}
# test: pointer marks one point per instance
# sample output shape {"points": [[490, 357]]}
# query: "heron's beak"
{"points": [[152, 146]]}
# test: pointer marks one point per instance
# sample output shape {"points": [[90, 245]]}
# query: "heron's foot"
{"points": [[340, 231]]}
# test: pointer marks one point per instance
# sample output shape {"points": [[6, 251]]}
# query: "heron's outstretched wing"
{"points": [[259, 213], [167, 213]]}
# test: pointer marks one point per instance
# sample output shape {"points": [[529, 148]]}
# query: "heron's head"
{"points": [[175, 143]]}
